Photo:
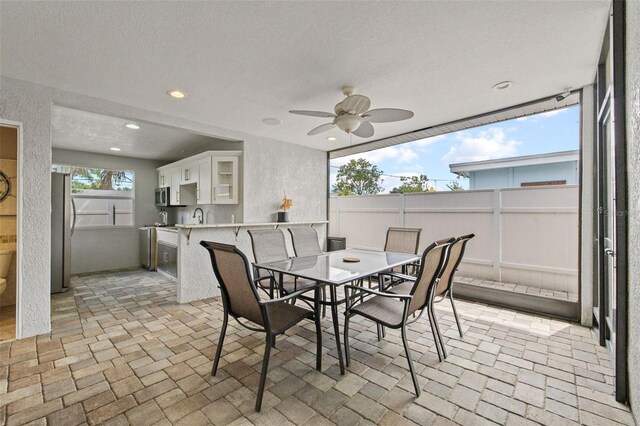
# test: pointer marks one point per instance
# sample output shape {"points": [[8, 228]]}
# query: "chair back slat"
{"points": [[305, 241], [431, 266], [268, 245], [232, 269], [456, 253], [403, 240]]}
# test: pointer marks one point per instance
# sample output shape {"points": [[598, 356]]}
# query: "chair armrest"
{"points": [[399, 275], [285, 298], [379, 293]]}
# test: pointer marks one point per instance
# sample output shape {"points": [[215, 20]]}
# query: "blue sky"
{"points": [[552, 131]]}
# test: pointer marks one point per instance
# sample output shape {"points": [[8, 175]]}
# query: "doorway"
{"points": [[9, 228]]}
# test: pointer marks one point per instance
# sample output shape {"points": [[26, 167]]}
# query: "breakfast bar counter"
{"points": [[196, 279]]}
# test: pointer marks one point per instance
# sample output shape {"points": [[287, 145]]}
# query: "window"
{"points": [[103, 198]]}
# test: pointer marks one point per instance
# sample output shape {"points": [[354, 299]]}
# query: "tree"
{"points": [[412, 184], [358, 177], [455, 186], [91, 178]]}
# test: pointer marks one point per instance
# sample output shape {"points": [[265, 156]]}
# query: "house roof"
{"points": [[242, 62], [463, 169]]}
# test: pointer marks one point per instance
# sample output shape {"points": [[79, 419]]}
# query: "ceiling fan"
{"points": [[352, 115]]}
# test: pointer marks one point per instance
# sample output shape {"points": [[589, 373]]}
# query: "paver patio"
{"points": [[123, 352]]}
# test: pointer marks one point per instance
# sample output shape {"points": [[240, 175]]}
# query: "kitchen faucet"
{"points": [[201, 218]]}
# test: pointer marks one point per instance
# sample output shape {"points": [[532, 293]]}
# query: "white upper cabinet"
{"points": [[208, 178], [203, 191], [225, 180], [189, 173], [176, 174], [164, 178]]}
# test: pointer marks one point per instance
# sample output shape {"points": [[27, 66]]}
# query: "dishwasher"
{"points": [[168, 258]]}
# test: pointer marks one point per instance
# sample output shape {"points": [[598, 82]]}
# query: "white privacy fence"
{"points": [[523, 235]]}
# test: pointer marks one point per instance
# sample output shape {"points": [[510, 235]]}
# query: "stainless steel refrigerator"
{"points": [[62, 226]]}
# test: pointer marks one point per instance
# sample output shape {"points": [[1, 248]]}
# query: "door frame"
{"points": [[19, 298], [620, 152], [614, 94]]}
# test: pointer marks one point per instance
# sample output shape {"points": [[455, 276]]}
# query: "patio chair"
{"points": [[269, 246], [445, 286], [305, 243], [403, 240], [240, 299], [393, 309]]}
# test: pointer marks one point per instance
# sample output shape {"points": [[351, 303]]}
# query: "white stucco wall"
{"points": [[270, 166], [632, 91]]}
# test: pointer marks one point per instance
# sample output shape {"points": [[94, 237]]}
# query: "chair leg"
{"points": [[318, 328], [409, 360], [324, 299], [347, 353], [439, 336], [265, 368], [273, 341], [435, 336], [455, 314], [223, 331]]}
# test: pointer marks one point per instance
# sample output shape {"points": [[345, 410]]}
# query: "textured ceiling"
{"points": [[86, 131], [240, 62]]}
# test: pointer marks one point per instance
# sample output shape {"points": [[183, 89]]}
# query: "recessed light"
{"points": [[132, 126], [331, 138], [176, 94], [503, 85], [114, 148], [272, 121]]}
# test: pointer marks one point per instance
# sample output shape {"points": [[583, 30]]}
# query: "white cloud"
{"points": [[488, 144]]}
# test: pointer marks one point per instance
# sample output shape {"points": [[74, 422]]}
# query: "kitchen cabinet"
{"points": [[203, 190], [211, 177], [176, 174], [189, 173], [224, 177], [164, 178]]}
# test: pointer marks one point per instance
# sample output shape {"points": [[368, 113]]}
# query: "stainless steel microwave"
{"points": [[163, 197]]}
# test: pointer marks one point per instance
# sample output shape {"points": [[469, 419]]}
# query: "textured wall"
{"points": [[105, 249], [633, 164], [30, 104], [273, 167]]}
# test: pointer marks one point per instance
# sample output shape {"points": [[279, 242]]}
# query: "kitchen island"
{"points": [[196, 279]]}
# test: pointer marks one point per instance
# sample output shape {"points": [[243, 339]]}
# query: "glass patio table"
{"points": [[333, 270]]}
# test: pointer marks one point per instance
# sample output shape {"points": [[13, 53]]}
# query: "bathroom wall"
{"points": [[8, 229]]}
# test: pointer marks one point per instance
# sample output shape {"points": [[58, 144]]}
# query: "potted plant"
{"points": [[286, 204]]}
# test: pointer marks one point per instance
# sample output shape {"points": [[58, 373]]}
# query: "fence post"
{"points": [[497, 234], [402, 210]]}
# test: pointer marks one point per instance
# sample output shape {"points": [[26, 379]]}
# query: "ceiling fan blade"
{"points": [[314, 113], [364, 130], [356, 104], [387, 115], [321, 129]]}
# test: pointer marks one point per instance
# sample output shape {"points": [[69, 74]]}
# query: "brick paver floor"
{"points": [[123, 352]]}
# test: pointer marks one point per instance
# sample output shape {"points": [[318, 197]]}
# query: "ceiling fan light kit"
{"points": [[352, 115], [348, 123]]}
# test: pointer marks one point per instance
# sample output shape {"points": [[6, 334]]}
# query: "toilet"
{"points": [[5, 263]]}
